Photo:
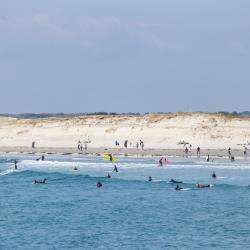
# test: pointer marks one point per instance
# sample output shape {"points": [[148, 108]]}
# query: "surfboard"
{"points": [[107, 156]]}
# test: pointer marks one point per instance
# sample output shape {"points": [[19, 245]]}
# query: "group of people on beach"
{"points": [[188, 151], [139, 145], [80, 146]]}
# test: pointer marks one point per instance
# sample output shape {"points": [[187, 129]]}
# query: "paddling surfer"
{"points": [[40, 182]]}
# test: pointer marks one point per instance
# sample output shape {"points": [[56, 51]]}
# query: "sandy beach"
{"points": [[161, 134]]}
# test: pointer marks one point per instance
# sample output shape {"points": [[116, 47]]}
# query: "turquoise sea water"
{"points": [[128, 212]]}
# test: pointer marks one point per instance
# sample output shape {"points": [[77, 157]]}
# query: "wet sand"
{"points": [[214, 153]]}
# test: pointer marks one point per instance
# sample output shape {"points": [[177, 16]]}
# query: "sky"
{"points": [[124, 55]]}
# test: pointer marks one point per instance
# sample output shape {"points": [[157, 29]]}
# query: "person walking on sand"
{"points": [[198, 152]]}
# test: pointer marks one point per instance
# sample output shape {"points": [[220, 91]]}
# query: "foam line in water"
{"points": [[9, 171]]}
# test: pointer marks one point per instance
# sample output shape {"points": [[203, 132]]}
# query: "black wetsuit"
{"points": [[99, 184], [174, 181], [178, 188]]}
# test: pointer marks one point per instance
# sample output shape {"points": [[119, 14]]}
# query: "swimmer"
{"points": [[232, 158], [40, 182], [149, 178], [109, 176], [75, 168], [214, 175], [115, 169], [99, 184]]}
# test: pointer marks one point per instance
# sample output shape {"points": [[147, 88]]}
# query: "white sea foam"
{"points": [[106, 166], [8, 171]]}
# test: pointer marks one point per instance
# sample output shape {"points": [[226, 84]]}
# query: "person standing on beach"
{"points": [[186, 152], [245, 151], [137, 145], [142, 146], [126, 144], [229, 153], [33, 144], [198, 152]]}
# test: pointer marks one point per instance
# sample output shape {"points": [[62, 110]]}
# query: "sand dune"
{"points": [[212, 131]]}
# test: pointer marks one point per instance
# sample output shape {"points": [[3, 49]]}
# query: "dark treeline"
{"points": [[72, 115], [63, 115]]}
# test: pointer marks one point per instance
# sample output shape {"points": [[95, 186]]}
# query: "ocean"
{"points": [[128, 212]]}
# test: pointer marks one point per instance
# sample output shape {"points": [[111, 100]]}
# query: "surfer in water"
{"points": [[208, 158], [42, 158], [178, 188], [110, 157], [174, 181], [160, 162], [115, 169], [15, 166], [98, 184], [109, 176], [214, 175], [150, 178], [40, 182], [198, 185]]}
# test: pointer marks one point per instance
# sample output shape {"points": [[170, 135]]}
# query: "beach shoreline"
{"points": [[120, 152]]}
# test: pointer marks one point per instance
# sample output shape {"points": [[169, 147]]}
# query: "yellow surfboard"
{"points": [[107, 156]]}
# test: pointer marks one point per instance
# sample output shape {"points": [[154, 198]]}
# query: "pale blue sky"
{"points": [[124, 56]]}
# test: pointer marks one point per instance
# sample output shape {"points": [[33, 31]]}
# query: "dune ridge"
{"points": [[157, 131]]}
